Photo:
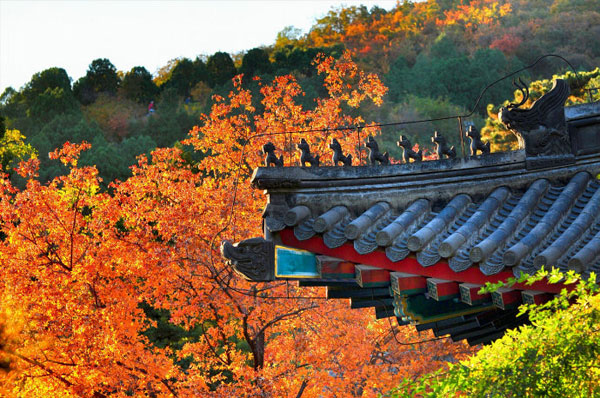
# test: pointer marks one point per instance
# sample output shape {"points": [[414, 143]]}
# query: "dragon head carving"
{"points": [[541, 129], [253, 258]]}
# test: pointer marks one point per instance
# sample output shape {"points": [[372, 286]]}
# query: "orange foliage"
{"points": [[77, 263], [379, 37], [508, 43], [113, 114], [376, 37], [475, 13]]}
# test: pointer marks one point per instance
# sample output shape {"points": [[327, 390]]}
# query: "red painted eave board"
{"points": [[409, 265]]}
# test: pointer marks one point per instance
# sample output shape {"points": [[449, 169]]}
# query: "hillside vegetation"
{"points": [[434, 56]]}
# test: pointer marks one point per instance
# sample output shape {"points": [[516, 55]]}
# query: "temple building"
{"points": [[418, 240]]}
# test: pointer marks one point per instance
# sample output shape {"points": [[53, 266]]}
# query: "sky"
{"points": [[37, 35]]}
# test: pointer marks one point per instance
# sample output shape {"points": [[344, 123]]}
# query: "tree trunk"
{"points": [[258, 350]]}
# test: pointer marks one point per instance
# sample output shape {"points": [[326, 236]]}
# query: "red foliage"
{"points": [[77, 263], [508, 43]]}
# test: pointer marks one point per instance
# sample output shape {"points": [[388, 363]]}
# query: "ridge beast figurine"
{"points": [[269, 150], [541, 129], [374, 154], [307, 157], [441, 146], [408, 153], [476, 143], [338, 155]]}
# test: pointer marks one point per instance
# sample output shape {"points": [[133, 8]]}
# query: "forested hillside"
{"points": [[117, 188], [434, 56]]}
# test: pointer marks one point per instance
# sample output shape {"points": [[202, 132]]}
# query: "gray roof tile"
{"points": [[546, 224]]}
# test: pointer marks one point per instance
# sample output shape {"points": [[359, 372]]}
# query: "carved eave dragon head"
{"points": [[252, 258], [541, 129]]}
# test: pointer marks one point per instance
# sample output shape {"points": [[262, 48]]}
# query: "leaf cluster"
{"points": [[556, 356]]}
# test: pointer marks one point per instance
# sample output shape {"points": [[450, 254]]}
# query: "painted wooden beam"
{"points": [[441, 289], [335, 292], [356, 302], [397, 303], [405, 284], [294, 263], [506, 298], [485, 318], [331, 267], [459, 327], [469, 294], [535, 297], [423, 310], [327, 282], [486, 338], [384, 312], [481, 331], [368, 276], [439, 324], [509, 320], [410, 264]]}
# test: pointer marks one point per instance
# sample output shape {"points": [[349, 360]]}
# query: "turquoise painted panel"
{"points": [[295, 263]]}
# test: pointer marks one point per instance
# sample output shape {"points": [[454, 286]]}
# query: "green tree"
{"points": [[7, 95], [48, 79], [201, 73], [445, 72], [67, 127], [255, 62], [101, 77], [289, 36], [558, 355], [11, 107], [13, 149], [52, 102], [397, 80], [292, 58], [137, 85], [185, 75], [171, 121], [84, 92], [46, 95], [220, 68]]}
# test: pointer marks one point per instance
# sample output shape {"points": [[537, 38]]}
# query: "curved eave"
{"points": [[408, 265]]}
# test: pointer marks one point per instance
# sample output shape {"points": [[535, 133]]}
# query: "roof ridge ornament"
{"points": [[408, 153], [269, 150], [524, 90], [441, 146], [541, 129], [476, 143], [307, 157], [374, 154], [338, 155]]}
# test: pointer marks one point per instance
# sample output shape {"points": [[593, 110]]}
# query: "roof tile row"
{"points": [[547, 225]]}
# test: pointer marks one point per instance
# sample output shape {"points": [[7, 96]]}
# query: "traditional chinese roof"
{"points": [[418, 240], [510, 221]]}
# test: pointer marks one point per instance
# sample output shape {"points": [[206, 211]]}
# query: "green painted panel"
{"points": [[425, 310], [295, 263]]}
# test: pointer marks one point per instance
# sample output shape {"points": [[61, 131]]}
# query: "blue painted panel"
{"points": [[295, 263]]}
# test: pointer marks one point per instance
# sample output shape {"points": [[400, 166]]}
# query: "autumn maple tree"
{"points": [[84, 267]]}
